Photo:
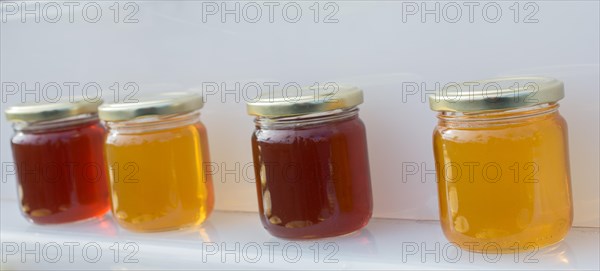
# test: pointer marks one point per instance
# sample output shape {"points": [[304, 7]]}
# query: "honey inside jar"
{"points": [[314, 179], [503, 175], [157, 170], [311, 163], [57, 150]]}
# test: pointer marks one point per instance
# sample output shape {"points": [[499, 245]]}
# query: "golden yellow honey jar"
{"points": [[156, 151], [502, 164]]}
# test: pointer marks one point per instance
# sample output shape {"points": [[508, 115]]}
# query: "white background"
{"points": [[371, 45]]}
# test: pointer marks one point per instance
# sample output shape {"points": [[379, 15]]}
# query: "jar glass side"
{"points": [[158, 179], [206, 164], [504, 182], [61, 170], [313, 180]]}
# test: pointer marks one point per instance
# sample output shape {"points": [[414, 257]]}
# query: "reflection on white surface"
{"points": [[237, 240]]}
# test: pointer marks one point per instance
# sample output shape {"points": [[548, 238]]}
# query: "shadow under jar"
{"points": [[502, 164], [57, 150], [311, 163], [156, 151]]}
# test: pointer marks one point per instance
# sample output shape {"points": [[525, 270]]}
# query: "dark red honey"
{"points": [[313, 180], [61, 172]]}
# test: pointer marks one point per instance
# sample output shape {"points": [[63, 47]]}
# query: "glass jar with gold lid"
{"points": [[57, 151], [156, 151], [502, 163], [311, 162]]}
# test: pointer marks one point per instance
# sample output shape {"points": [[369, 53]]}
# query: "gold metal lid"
{"points": [[305, 101], [497, 94], [64, 108], [161, 104]]}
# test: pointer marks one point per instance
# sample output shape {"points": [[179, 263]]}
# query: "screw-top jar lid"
{"points": [[305, 101], [156, 105], [47, 111], [497, 94]]}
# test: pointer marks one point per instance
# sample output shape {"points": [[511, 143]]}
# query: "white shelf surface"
{"points": [[383, 244]]}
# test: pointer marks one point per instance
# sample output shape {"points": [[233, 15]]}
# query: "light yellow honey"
{"points": [[158, 179]]}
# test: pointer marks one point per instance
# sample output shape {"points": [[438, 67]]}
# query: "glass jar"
{"points": [[502, 164], [311, 163], [156, 152], [57, 151]]}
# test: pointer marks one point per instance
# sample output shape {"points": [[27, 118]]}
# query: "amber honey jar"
{"points": [[502, 163]]}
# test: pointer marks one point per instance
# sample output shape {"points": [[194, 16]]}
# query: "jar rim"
{"points": [[162, 104], [497, 94], [154, 123], [305, 101]]}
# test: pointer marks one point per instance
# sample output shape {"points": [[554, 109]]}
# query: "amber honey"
{"points": [[503, 176]]}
